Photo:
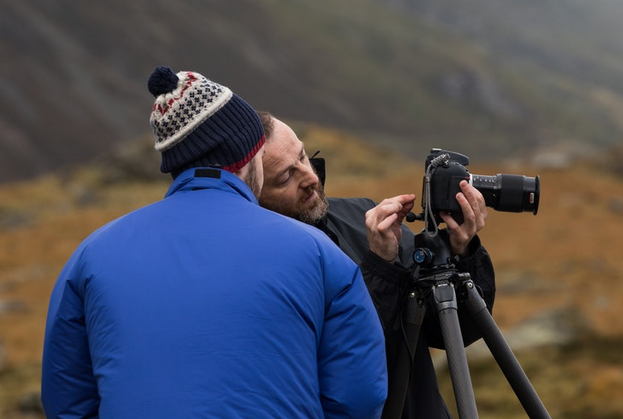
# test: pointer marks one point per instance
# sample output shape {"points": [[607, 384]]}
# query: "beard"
{"points": [[318, 210], [309, 215]]}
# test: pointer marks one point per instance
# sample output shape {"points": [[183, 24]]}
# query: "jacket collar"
{"points": [[210, 178]]}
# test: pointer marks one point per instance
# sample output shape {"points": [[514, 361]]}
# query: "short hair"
{"points": [[267, 122]]}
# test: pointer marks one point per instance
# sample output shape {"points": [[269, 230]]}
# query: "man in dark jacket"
{"points": [[375, 238]]}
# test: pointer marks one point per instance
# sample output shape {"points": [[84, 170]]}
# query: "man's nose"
{"points": [[309, 177]]}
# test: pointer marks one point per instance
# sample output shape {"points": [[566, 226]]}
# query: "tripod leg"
{"points": [[445, 300], [503, 355]]}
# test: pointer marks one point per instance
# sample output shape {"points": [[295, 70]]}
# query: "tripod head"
{"points": [[432, 253]]}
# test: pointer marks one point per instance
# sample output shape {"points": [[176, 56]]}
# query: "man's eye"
{"points": [[285, 178]]}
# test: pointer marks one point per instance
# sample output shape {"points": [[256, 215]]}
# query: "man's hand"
{"points": [[474, 215], [383, 224]]}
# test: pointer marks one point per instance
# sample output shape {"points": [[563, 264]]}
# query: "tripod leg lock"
{"points": [[445, 296], [475, 302]]}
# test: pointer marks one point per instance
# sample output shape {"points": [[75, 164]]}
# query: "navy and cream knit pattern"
{"points": [[197, 122]]}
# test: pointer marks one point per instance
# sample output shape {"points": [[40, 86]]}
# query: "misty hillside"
{"points": [[486, 78]]}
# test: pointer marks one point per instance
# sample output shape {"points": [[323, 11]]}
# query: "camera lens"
{"points": [[512, 193]]}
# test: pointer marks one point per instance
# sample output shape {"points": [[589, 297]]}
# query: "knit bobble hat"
{"points": [[198, 122]]}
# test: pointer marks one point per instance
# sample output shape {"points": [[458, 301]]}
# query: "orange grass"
{"points": [[571, 249]]}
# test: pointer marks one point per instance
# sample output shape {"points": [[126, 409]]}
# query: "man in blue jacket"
{"points": [[204, 304], [376, 239]]}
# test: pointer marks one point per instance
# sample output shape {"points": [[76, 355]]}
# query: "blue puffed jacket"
{"points": [[205, 305]]}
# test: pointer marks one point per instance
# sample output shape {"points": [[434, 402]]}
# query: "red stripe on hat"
{"points": [[233, 168]]}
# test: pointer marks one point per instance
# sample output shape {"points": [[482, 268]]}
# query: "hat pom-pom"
{"points": [[162, 80]]}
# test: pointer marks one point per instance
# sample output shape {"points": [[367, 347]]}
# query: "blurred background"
{"points": [[527, 87]]}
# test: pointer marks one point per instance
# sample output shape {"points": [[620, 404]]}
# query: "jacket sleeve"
{"points": [[68, 387], [387, 284], [351, 357]]}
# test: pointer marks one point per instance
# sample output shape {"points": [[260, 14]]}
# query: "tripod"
{"points": [[438, 277]]}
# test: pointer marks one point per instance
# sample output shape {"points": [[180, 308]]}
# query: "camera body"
{"points": [[502, 192]]}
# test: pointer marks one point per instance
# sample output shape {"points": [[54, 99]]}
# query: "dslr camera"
{"points": [[502, 192]]}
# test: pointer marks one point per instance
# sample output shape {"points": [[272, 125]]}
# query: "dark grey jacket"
{"points": [[389, 285]]}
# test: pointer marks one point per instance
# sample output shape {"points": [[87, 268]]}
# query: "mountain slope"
{"points": [[73, 75]]}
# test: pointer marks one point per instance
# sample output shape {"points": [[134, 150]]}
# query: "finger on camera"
{"points": [[473, 195], [400, 203], [404, 200]]}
